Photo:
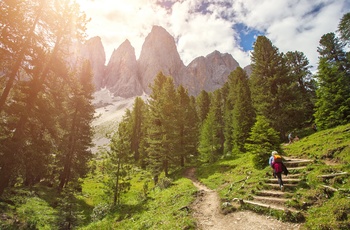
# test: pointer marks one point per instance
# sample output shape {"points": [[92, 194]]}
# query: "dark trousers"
{"points": [[279, 178]]}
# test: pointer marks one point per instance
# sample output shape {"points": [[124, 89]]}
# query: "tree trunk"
{"points": [[5, 173], [116, 190], [64, 178]]}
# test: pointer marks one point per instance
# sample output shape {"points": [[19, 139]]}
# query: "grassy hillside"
{"points": [[324, 202]]}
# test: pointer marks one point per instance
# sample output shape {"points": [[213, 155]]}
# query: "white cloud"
{"points": [[290, 26]]}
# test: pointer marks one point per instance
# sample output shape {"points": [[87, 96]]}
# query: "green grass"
{"points": [[236, 178], [161, 209], [332, 145], [322, 208]]}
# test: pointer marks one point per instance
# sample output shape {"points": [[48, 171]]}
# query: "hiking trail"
{"points": [[206, 211]]}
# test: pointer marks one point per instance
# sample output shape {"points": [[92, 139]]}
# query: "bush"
{"points": [[100, 211], [164, 183]]}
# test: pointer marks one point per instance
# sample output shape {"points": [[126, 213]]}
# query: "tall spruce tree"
{"points": [[262, 140], [203, 105], [161, 132], [187, 125], [138, 121], [303, 86], [120, 159], [243, 115], [271, 86], [78, 137], [211, 141], [333, 94], [344, 28]]}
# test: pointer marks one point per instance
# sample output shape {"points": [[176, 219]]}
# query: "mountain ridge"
{"points": [[126, 76]]}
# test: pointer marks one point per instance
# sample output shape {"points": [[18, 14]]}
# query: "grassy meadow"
{"points": [[146, 206]]}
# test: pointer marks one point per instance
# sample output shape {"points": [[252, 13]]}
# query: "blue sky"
{"points": [[229, 26]]}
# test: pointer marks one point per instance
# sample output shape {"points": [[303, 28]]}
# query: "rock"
{"points": [[158, 54], [125, 76], [121, 75], [94, 52], [208, 73]]}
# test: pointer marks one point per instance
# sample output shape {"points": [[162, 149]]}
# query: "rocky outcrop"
{"points": [[94, 52], [121, 76], [208, 73], [159, 53]]}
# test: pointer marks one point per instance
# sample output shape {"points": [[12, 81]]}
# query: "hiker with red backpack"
{"points": [[276, 163]]}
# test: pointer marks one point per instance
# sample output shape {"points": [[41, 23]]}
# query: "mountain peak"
{"points": [[159, 53]]}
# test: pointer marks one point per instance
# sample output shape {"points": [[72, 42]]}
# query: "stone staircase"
{"points": [[271, 197]]}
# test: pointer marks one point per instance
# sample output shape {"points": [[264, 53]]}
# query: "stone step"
{"points": [[273, 193], [295, 175], [270, 200], [286, 180], [276, 186], [271, 206], [289, 162], [293, 169]]}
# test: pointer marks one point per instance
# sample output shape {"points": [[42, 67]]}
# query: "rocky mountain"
{"points": [[125, 76], [93, 51], [121, 75], [207, 73], [159, 53]]}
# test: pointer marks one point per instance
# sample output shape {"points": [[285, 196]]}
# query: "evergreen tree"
{"points": [[187, 123], [203, 105], [262, 140], [271, 87], [138, 120], [78, 137], [211, 141], [161, 132], [120, 157], [228, 103], [60, 21], [344, 28], [243, 115], [333, 94], [303, 85]]}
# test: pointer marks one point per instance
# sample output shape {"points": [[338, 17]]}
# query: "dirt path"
{"points": [[206, 210]]}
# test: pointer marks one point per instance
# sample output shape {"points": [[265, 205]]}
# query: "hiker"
{"points": [[290, 137], [279, 168], [271, 157], [271, 161]]}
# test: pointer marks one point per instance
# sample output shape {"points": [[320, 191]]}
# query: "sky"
{"points": [[200, 27]]}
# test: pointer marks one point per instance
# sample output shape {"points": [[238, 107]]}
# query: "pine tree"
{"points": [[78, 138], [138, 121], [243, 115], [263, 138], [304, 87], [272, 87], [187, 123], [211, 141], [333, 94], [161, 132], [203, 105], [344, 28], [45, 58], [120, 159], [227, 110]]}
